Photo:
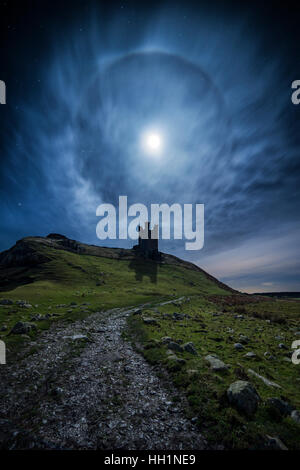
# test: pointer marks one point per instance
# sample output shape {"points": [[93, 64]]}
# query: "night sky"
{"points": [[85, 80]]}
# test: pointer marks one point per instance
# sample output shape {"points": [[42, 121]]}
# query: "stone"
{"points": [[244, 397], [269, 356], [274, 443], [282, 346], [267, 382], [166, 339], [190, 348], [137, 312], [216, 364], [175, 359], [178, 316], [250, 355], [75, 337], [6, 302], [175, 346], [284, 408], [295, 415], [4, 328], [21, 328], [244, 339], [238, 346], [149, 321]]}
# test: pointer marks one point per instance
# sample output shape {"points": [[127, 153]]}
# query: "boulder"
{"points": [[6, 302], [216, 364], [21, 328], [175, 346], [244, 339], [244, 397], [238, 346], [190, 348], [266, 381], [295, 415], [274, 443], [176, 359], [250, 355], [166, 339], [178, 316], [283, 408], [269, 356], [149, 321]]}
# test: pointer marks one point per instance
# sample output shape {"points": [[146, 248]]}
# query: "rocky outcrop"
{"points": [[243, 396], [21, 254]]}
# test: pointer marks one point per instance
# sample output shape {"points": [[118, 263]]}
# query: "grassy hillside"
{"points": [[68, 280], [63, 280], [214, 325]]}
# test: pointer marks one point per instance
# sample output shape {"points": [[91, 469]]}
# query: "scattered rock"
{"points": [[244, 397], [267, 382], [238, 346], [216, 364], [4, 328], [279, 405], [295, 415], [178, 316], [244, 339], [176, 359], [269, 356], [274, 443], [175, 346], [137, 311], [166, 339], [282, 346], [149, 321], [190, 348], [6, 302], [21, 328], [250, 355], [75, 337]]}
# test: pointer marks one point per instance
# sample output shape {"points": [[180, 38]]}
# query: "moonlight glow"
{"points": [[152, 143]]}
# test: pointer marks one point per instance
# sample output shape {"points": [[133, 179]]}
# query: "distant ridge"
{"points": [[294, 295]]}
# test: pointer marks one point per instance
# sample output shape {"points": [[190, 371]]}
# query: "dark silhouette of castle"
{"points": [[148, 242]]}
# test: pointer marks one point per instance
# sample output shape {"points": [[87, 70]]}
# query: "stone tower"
{"points": [[148, 242]]}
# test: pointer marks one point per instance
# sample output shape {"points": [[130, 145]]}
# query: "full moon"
{"points": [[152, 143]]}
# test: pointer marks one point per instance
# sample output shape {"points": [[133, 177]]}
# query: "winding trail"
{"points": [[94, 392]]}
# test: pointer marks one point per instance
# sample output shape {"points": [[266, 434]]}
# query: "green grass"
{"points": [[205, 389], [117, 279], [100, 282]]}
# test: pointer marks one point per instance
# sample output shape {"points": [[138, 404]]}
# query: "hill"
{"points": [[120, 337]]}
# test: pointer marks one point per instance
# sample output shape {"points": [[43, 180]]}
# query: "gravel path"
{"points": [[90, 392]]}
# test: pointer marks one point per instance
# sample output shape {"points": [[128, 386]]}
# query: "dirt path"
{"points": [[93, 392]]}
